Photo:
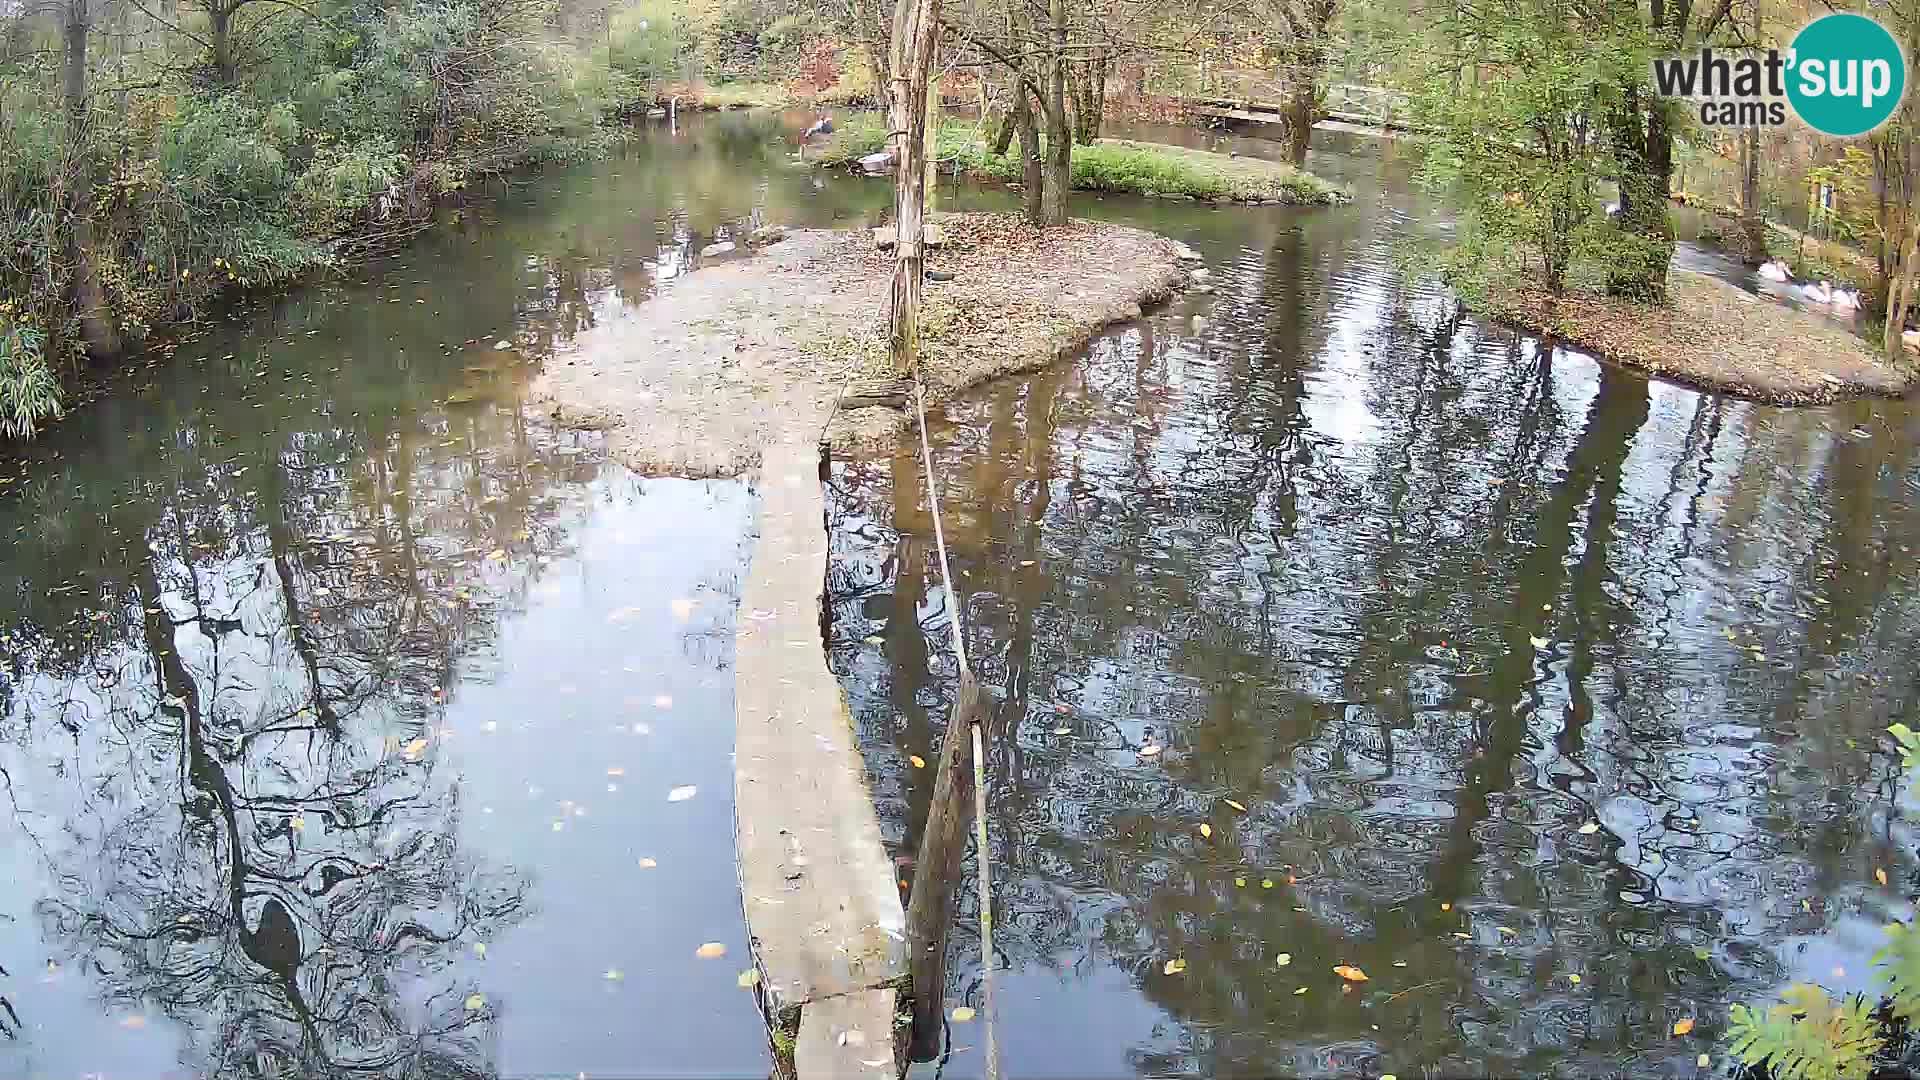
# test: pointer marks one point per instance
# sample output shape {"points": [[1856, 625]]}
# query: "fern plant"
{"points": [[1807, 1036], [1898, 962]]}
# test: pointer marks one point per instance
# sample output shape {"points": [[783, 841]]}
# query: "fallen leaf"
{"points": [[1590, 828], [1235, 805], [614, 975], [1681, 1027], [1446, 907], [918, 761], [1538, 642], [480, 948], [1239, 883], [1701, 953], [682, 608], [1349, 973], [134, 1022], [1300, 990], [414, 749], [1206, 830], [710, 951], [616, 771], [1149, 750], [1880, 875], [1283, 960], [682, 794], [475, 1002], [497, 555], [647, 863], [1704, 1060], [1574, 979], [962, 1013], [1388, 1076], [1266, 883], [749, 979], [1175, 966]]}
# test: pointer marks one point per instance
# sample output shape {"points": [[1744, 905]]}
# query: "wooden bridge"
{"points": [[1369, 108]]}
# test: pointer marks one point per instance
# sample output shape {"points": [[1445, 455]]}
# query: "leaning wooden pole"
{"points": [[937, 870], [916, 24]]}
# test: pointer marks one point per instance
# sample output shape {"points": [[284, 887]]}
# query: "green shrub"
{"points": [[29, 391]]}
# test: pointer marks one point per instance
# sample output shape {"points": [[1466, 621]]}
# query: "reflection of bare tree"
{"points": [[246, 829]]}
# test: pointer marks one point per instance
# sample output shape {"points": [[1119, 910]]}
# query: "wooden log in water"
{"points": [[937, 873]]}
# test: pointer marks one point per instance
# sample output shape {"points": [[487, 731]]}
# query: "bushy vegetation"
{"points": [[251, 142], [1110, 165]]}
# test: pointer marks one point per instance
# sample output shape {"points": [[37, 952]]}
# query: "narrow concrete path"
{"points": [[823, 913]]}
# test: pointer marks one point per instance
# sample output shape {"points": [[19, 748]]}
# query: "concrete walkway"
{"points": [[823, 913]]}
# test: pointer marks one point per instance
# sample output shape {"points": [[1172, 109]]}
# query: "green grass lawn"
{"points": [[1116, 165]]}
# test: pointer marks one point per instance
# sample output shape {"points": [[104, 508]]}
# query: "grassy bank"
{"points": [[1113, 165]]}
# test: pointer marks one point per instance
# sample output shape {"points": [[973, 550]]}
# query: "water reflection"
{"points": [[341, 700], [1554, 696]]}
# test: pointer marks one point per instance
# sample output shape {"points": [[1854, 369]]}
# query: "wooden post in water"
{"points": [[936, 873]]}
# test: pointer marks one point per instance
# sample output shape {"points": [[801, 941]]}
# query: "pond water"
{"points": [[354, 723]]}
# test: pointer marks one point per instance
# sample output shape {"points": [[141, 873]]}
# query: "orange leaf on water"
{"points": [[1681, 1027], [1350, 973]]}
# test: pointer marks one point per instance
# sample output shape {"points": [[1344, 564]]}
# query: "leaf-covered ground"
{"points": [[1715, 336], [728, 357]]}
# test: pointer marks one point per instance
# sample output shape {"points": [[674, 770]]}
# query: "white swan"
{"points": [[1819, 294], [1846, 299], [1775, 270]]}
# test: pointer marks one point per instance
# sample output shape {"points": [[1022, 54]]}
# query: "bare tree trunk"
{"points": [[226, 68], [1303, 108], [932, 141], [1053, 202], [1753, 227], [1901, 292], [1080, 93], [89, 298], [915, 23], [937, 870], [1033, 177]]}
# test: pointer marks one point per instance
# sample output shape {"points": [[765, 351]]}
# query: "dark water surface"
{"points": [[343, 703], [1554, 696]]}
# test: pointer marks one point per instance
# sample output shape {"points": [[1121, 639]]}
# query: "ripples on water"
{"points": [[1426, 597], [1306, 548]]}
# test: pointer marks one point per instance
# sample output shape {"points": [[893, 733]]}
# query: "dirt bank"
{"points": [[1714, 336], [741, 351]]}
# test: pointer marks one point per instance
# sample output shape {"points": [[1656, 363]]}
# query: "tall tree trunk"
{"points": [[1053, 203], [1033, 176], [88, 296], [931, 138], [1753, 227], [1643, 144], [1086, 127], [226, 69], [915, 24], [1303, 109]]}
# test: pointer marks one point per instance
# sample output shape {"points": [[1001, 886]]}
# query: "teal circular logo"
{"points": [[1845, 75]]}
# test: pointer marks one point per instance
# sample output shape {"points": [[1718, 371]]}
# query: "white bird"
{"points": [[1819, 294], [1775, 270], [1847, 299]]}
